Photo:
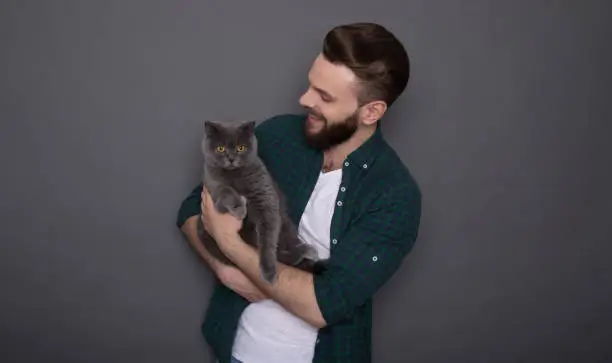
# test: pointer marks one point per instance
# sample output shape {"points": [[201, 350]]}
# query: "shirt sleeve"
{"points": [[369, 253], [190, 206]]}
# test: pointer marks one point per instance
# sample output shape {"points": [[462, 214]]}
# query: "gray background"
{"points": [[505, 125]]}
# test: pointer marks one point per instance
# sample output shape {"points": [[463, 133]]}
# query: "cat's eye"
{"points": [[240, 148], [220, 148]]}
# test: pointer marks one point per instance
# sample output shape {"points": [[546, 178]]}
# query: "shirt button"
{"points": [[343, 189], [334, 241], [374, 258], [365, 166], [339, 203], [346, 163]]}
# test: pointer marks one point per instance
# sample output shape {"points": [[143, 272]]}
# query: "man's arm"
{"points": [[293, 288], [190, 230], [187, 221], [362, 262]]}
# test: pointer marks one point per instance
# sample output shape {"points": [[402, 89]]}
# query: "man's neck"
{"points": [[334, 156]]}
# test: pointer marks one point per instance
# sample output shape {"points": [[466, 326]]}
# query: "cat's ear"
{"points": [[210, 128], [248, 127]]}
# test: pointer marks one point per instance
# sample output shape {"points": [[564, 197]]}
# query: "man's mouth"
{"points": [[314, 118]]}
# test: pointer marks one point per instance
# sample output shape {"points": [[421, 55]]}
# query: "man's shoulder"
{"points": [[394, 195], [398, 181], [286, 125], [282, 148]]}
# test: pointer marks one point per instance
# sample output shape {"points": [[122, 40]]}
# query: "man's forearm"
{"points": [[293, 288], [190, 229]]}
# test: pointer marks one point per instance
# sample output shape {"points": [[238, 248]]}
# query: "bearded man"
{"points": [[349, 193]]}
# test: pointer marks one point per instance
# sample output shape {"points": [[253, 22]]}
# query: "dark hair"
{"points": [[375, 55]]}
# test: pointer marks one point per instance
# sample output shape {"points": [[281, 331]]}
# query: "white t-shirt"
{"points": [[267, 333]]}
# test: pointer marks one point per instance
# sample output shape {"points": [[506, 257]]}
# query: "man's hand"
{"points": [[218, 225], [234, 279]]}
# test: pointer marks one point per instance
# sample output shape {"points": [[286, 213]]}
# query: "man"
{"points": [[352, 198]]}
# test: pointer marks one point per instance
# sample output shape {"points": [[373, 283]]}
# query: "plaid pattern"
{"points": [[374, 226]]}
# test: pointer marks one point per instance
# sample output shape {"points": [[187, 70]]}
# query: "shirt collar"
{"points": [[365, 154]]}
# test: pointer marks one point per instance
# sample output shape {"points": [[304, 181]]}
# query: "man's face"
{"points": [[331, 102]]}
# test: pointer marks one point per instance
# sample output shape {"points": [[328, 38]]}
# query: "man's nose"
{"points": [[306, 99]]}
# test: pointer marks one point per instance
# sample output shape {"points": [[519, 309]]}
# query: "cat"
{"points": [[240, 184]]}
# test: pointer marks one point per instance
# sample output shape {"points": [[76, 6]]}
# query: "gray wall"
{"points": [[504, 126]]}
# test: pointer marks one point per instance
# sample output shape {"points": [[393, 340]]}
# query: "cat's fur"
{"points": [[240, 184]]}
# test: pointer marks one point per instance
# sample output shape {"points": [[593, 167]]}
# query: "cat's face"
{"points": [[229, 144]]}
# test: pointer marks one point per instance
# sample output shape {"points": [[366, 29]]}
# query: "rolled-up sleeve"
{"points": [[369, 253]]}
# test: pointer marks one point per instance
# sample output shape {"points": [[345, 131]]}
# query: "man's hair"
{"points": [[375, 55]]}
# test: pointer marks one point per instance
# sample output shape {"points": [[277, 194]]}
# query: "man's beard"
{"points": [[331, 134]]}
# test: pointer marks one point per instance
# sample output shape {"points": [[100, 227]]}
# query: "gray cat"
{"points": [[240, 184]]}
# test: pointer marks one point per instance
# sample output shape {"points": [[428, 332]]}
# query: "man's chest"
{"points": [[315, 222], [331, 201], [296, 173]]}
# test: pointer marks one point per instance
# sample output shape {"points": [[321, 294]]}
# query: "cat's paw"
{"points": [[294, 255], [312, 266], [309, 252], [240, 208], [233, 204], [268, 270]]}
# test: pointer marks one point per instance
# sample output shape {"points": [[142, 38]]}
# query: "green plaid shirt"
{"points": [[375, 224]]}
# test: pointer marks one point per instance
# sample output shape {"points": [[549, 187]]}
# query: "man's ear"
{"points": [[373, 111]]}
